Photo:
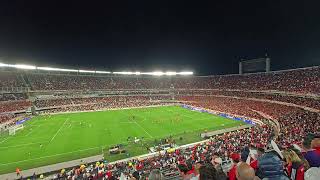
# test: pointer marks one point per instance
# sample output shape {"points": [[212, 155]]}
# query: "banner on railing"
{"points": [[245, 120]]}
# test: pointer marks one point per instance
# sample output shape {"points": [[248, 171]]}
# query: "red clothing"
{"points": [[109, 174], [254, 164], [232, 173], [295, 171], [18, 171], [192, 171]]}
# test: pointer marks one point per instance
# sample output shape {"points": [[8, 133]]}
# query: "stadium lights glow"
{"points": [[18, 66], [169, 73], [103, 72], [155, 73], [56, 69], [86, 71], [23, 66], [185, 73], [4, 65], [127, 73]]}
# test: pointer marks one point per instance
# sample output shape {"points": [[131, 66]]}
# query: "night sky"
{"points": [[207, 37]]}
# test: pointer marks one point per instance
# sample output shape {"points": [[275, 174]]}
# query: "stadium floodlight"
{"points": [[23, 66], [127, 73], [86, 71], [185, 73], [146, 73], [169, 73], [103, 72], [56, 69], [158, 73], [121, 72], [4, 65]]}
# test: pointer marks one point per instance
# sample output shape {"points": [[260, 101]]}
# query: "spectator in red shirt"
{"points": [[233, 171]]}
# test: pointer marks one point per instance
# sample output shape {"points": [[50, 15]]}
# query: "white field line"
{"points": [[30, 131], [58, 130], [59, 154], [76, 150], [23, 145], [4, 140], [49, 156], [135, 122], [101, 146], [143, 129], [33, 125]]}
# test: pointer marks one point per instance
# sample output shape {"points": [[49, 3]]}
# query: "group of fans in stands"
{"points": [[252, 157], [300, 81], [250, 151]]}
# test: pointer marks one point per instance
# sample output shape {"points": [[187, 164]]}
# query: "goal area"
{"points": [[13, 129]]}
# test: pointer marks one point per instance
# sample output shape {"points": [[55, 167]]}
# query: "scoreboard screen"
{"points": [[254, 65]]}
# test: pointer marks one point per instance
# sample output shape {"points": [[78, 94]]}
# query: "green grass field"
{"points": [[71, 136]]}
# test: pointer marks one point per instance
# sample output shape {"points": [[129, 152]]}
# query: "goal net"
{"points": [[13, 129]]}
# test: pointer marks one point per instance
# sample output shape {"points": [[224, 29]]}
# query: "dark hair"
{"points": [[189, 164], [208, 172], [183, 168], [307, 142], [136, 175], [260, 150], [245, 153]]}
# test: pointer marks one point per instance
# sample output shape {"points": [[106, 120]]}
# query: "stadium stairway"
{"points": [[25, 81], [170, 173]]}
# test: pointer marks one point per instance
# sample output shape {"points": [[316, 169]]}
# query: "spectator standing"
{"points": [[295, 166], [233, 171]]}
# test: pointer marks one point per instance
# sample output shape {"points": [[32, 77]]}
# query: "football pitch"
{"points": [[62, 137]]}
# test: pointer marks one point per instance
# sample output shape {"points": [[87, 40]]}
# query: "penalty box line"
{"points": [[58, 130], [135, 122], [143, 129]]}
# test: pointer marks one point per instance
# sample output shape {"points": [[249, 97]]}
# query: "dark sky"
{"points": [[208, 37]]}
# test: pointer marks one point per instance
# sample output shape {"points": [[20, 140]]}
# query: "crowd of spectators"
{"points": [[101, 106], [303, 80], [307, 101], [12, 96], [298, 81], [295, 122], [13, 106], [88, 102], [211, 160], [6, 117], [10, 79]]}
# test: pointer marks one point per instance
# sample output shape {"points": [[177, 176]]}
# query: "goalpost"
{"points": [[13, 129]]}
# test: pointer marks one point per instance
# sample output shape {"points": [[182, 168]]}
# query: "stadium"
{"points": [[60, 123]]}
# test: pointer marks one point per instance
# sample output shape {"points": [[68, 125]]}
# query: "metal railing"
{"points": [[14, 89]]}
